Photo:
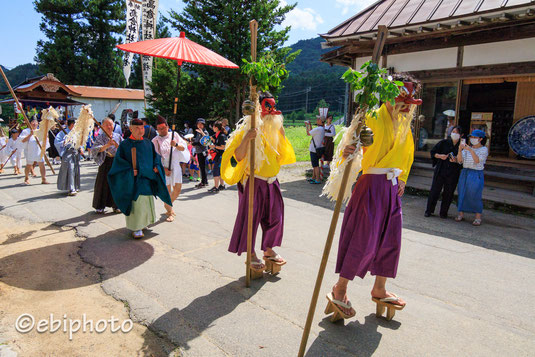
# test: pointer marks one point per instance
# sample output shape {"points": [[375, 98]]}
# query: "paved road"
{"points": [[468, 288]]}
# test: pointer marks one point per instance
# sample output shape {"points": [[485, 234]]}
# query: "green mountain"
{"points": [[19, 74], [308, 74]]}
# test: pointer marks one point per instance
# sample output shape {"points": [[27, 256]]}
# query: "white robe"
{"points": [[4, 151], [31, 149], [162, 144], [16, 157]]}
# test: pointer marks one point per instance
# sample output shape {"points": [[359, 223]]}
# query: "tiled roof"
{"points": [[406, 13], [108, 93]]}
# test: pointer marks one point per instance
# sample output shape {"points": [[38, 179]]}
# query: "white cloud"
{"points": [[302, 19], [353, 5]]}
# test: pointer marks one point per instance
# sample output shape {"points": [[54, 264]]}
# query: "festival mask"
{"points": [[268, 107], [406, 96]]}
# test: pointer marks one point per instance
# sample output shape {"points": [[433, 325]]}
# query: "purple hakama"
{"points": [[370, 238], [268, 211]]}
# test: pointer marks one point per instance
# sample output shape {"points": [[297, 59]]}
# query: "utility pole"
{"points": [[306, 101]]}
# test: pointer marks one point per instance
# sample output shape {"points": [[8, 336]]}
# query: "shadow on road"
{"points": [[184, 325], [115, 252], [355, 338]]}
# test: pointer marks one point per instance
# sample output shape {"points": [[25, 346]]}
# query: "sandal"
{"points": [[277, 259], [335, 305], [459, 218], [476, 222], [138, 234], [257, 264]]}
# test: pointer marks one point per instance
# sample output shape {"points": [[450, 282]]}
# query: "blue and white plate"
{"points": [[522, 137]]}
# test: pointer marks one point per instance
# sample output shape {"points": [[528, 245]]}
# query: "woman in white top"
{"points": [[32, 152], [471, 181], [4, 151], [330, 133]]}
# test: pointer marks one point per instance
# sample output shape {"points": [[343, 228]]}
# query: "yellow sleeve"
{"points": [[231, 170], [408, 158], [286, 151]]}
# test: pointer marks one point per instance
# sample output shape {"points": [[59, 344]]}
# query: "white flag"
{"points": [[133, 13], [148, 30]]}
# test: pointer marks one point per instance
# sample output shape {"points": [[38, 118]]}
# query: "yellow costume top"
{"points": [[389, 149], [232, 172]]}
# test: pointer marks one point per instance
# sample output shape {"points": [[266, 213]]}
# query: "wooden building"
{"points": [[104, 100], [42, 92], [476, 59]]}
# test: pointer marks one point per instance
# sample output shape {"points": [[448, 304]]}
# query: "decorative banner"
{"points": [[148, 28], [133, 13], [323, 112]]}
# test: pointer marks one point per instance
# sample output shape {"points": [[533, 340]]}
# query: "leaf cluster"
{"points": [[372, 86], [267, 73]]}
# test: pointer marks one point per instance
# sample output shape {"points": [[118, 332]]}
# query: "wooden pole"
{"points": [[253, 25], [379, 44], [5, 163], [25, 117]]}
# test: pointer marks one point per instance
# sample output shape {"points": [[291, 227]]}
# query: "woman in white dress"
{"points": [[32, 152]]}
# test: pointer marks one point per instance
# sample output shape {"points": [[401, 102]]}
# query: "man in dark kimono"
{"points": [[135, 177], [103, 151], [69, 172]]}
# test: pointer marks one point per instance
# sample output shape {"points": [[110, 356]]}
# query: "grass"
{"points": [[301, 141]]}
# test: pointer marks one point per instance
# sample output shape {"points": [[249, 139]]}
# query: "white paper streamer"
{"points": [[148, 29], [133, 13]]}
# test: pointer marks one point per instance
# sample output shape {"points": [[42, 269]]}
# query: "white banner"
{"points": [[133, 13], [148, 30]]}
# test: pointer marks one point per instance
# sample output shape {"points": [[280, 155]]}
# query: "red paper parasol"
{"points": [[181, 50]]}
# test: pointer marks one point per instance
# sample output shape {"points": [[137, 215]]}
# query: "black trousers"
{"points": [[446, 185], [202, 167]]}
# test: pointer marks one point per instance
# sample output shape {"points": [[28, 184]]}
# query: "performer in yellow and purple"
{"points": [[370, 238], [272, 151]]}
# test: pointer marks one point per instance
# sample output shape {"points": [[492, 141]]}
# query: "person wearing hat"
{"points": [[32, 151], [150, 132], [316, 148], [135, 177], [370, 236], [273, 149], [69, 171], [450, 114], [14, 144], [201, 151], [470, 188], [103, 152], [173, 151]]}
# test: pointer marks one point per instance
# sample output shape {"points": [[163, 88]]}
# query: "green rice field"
{"points": [[300, 140]]}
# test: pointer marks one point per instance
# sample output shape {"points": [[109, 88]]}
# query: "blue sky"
{"points": [[19, 27]]}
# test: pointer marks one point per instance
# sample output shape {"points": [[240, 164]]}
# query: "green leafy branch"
{"points": [[372, 85], [267, 73]]}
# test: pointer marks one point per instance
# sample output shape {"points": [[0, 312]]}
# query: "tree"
{"points": [[321, 104], [63, 51], [223, 26], [81, 38], [105, 20]]}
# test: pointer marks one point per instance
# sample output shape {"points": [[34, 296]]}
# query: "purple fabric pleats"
{"points": [[370, 238], [268, 210]]}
